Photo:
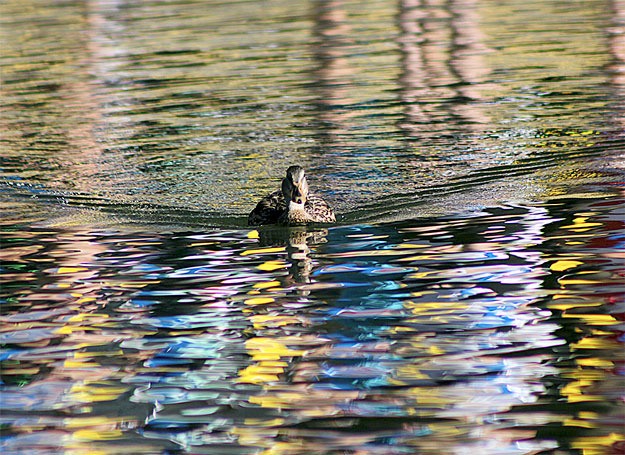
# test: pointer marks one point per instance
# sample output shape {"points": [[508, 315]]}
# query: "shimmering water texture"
{"points": [[469, 299], [180, 111], [495, 333]]}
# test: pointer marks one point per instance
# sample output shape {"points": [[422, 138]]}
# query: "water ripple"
{"points": [[469, 300]]}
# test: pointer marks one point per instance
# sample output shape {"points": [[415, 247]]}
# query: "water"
{"points": [[470, 298]]}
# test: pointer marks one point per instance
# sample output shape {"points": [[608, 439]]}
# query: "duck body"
{"points": [[292, 205]]}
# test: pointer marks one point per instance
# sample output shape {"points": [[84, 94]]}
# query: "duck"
{"points": [[293, 204]]}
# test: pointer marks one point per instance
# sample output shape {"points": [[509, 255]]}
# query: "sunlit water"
{"points": [[470, 298]]}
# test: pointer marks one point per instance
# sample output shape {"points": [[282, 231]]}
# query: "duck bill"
{"points": [[296, 196]]}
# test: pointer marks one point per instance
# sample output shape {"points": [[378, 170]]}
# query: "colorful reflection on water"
{"points": [[493, 332], [469, 300]]}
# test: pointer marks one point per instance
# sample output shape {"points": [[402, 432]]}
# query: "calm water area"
{"points": [[470, 298]]}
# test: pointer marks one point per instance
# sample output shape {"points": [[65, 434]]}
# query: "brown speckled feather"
{"points": [[268, 210], [319, 210], [272, 209]]}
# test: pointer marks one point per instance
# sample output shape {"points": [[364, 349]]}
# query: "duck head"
{"points": [[295, 189]]}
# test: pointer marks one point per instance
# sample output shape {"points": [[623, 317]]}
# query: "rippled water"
{"points": [[470, 298], [495, 333]]}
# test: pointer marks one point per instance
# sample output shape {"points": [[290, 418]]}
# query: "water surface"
{"points": [[470, 298]]}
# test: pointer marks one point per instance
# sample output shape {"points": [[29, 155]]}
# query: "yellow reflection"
{"points": [[579, 423], [580, 224], [444, 430], [411, 245], [261, 372], [429, 397], [266, 284], [560, 266], [264, 422], [88, 392], [92, 317], [573, 398], [136, 284], [97, 435], [596, 445], [264, 250], [269, 349], [64, 270], [421, 257], [84, 355], [80, 364], [411, 372], [576, 279], [259, 301], [574, 391], [313, 403], [287, 448], [69, 329], [266, 352], [564, 303], [595, 362], [593, 319], [596, 343], [270, 266], [435, 308], [96, 421]]}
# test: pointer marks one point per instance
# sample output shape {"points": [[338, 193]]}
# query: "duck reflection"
{"points": [[297, 241]]}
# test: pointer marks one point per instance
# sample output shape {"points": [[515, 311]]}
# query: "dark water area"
{"points": [[470, 298]]}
